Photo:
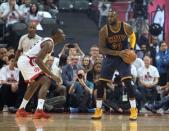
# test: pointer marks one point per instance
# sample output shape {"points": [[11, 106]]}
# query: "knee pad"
{"points": [[130, 87]]}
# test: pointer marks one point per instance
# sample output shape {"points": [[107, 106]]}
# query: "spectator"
{"points": [[34, 15], [50, 7], [49, 63], [63, 61], [69, 71], [103, 13], [134, 73], [154, 107], [12, 16], [144, 38], [9, 76], [81, 92], [94, 52], [56, 90], [24, 8], [94, 74], [86, 63], [100, 57], [148, 78], [68, 75], [154, 49], [164, 102], [138, 63], [162, 62], [3, 52], [11, 13], [143, 51], [72, 50], [5, 59], [11, 50]]}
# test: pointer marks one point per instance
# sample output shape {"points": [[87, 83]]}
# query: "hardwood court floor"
{"points": [[75, 122]]}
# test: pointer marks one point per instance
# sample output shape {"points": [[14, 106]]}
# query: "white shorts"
{"points": [[29, 69]]}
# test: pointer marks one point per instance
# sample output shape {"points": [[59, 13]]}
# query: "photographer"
{"points": [[56, 96], [81, 92]]}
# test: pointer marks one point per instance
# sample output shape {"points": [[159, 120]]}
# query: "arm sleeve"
{"points": [[129, 31], [132, 40]]}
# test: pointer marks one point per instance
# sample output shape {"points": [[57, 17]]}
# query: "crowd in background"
{"points": [[79, 72], [15, 16]]}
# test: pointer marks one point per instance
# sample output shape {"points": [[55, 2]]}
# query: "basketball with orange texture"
{"points": [[129, 56]]}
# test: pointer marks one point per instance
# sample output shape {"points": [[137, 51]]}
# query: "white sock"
{"points": [[99, 103], [24, 103], [40, 104], [133, 103]]}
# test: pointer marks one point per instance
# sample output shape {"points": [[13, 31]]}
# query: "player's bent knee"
{"points": [[130, 87]]}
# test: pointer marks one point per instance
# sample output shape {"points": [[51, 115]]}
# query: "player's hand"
{"points": [[123, 53]]}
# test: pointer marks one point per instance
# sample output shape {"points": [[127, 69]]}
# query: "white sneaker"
{"points": [[160, 111], [5, 108]]}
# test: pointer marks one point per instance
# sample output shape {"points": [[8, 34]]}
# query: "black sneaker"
{"points": [[12, 109]]}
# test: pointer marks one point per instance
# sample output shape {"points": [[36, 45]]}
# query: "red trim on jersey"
{"points": [[34, 77], [31, 62]]}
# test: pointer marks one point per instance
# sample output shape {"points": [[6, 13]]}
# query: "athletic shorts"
{"points": [[111, 64], [29, 69]]}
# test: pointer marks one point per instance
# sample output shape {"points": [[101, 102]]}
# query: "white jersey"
{"points": [[26, 63], [36, 48]]}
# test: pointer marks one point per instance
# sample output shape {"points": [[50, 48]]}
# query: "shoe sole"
{"points": [[98, 118], [131, 119], [21, 115], [41, 117]]}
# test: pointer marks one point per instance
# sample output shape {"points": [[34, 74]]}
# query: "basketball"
{"points": [[129, 56]]}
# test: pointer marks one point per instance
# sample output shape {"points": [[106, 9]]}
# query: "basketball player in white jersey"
{"points": [[34, 71]]}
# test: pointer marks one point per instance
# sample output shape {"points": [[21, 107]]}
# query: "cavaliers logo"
{"points": [[119, 38], [116, 46], [116, 41]]}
